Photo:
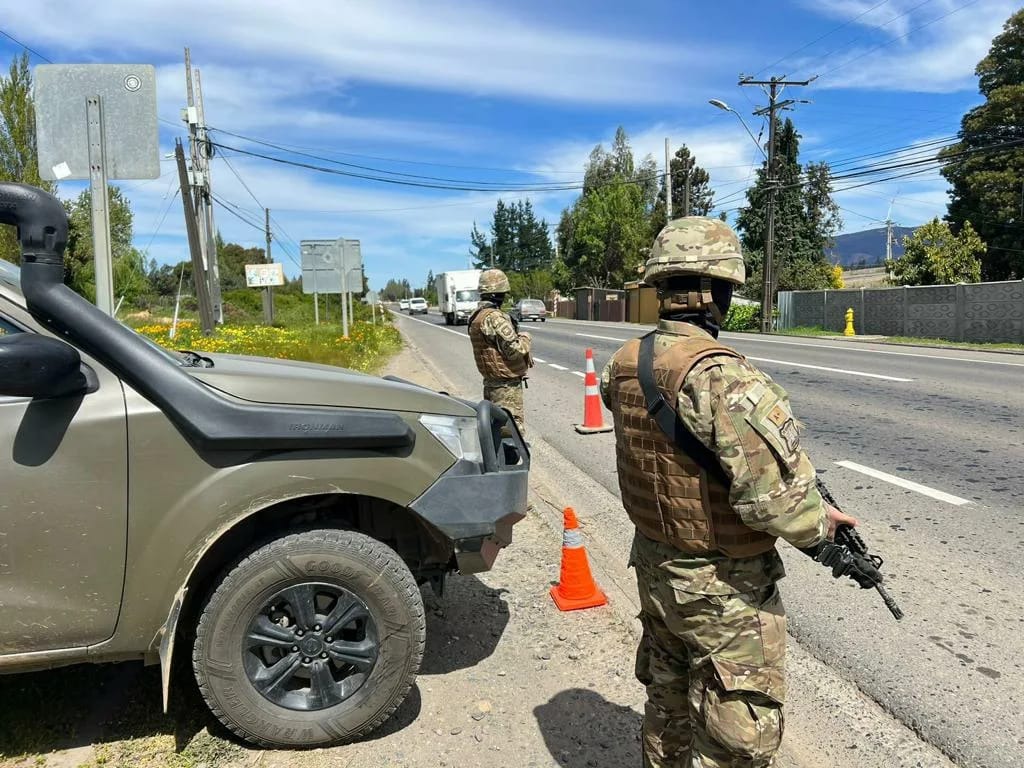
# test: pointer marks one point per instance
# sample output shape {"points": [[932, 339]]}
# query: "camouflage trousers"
{"points": [[714, 668], [508, 395]]}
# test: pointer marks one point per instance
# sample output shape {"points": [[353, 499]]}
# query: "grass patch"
{"points": [[954, 344], [913, 340], [115, 709], [366, 349]]}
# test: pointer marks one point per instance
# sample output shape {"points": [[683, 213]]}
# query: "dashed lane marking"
{"points": [[558, 367], [865, 374], [427, 322], [910, 485], [581, 374], [604, 338], [538, 360]]}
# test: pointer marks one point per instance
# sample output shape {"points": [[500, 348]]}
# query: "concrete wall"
{"points": [[983, 312]]}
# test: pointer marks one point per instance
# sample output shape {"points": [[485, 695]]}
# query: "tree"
{"points": [[396, 289], [129, 269], [428, 291], [988, 181], [605, 234], [933, 255], [519, 242], [806, 220], [701, 195], [231, 261], [19, 160]]}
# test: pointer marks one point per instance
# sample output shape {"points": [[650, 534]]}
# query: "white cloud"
{"points": [[933, 49], [461, 47]]}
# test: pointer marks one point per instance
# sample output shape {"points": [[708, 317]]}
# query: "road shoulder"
{"points": [[830, 723]]}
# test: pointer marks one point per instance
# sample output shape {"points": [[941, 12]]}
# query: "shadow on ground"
{"points": [[581, 729], [464, 627], [117, 707]]}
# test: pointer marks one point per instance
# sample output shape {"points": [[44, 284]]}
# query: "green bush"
{"points": [[742, 317]]}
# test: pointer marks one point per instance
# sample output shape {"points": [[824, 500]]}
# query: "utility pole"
{"points": [[200, 184], [194, 246], [775, 86], [668, 184], [268, 291], [686, 186]]}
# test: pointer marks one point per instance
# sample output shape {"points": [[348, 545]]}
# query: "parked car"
{"points": [[417, 306], [267, 522], [403, 305], [529, 309]]}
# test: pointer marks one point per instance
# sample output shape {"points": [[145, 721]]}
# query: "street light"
{"points": [[726, 108]]}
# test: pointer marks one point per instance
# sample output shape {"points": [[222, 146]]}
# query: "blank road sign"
{"points": [[127, 95]]}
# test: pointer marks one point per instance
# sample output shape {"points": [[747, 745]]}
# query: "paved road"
{"points": [[946, 422]]}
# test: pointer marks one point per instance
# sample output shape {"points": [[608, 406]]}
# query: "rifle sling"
{"points": [[665, 415]]}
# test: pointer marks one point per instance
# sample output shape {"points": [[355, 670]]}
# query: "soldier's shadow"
{"points": [[581, 728]]}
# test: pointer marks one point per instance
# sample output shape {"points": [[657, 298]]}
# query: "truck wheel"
{"points": [[448, 319], [314, 639]]}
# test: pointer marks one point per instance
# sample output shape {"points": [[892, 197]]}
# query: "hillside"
{"points": [[867, 248]]}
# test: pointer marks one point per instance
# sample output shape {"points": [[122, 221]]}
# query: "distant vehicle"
{"points": [[417, 306], [457, 294], [403, 304], [529, 309]]}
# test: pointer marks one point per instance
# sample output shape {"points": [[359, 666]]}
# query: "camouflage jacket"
{"points": [[513, 345], [744, 417]]}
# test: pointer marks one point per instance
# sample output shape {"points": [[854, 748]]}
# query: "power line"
{"points": [[822, 37], [34, 52], [890, 42]]}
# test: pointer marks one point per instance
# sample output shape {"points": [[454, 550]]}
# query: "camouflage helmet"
{"points": [[696, 246], [494, 281]]}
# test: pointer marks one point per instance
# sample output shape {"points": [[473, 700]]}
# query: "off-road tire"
{"points": [[371, 571]]}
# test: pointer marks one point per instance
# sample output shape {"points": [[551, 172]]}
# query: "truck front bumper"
{"points": [[476, 505]]}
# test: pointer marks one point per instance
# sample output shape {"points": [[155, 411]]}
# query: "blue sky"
{"points": [[514, 92]]}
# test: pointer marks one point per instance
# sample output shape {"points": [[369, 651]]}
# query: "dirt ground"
{"points": [[507, 680]]}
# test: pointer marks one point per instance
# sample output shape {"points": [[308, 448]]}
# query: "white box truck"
{"points": [[457, 294]]}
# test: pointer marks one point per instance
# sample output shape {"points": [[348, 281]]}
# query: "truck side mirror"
{"points": [[32, 365]]}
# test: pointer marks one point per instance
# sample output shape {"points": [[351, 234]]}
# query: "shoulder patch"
{"points": [[778, 416]]}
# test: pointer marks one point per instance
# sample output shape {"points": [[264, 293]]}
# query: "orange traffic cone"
{"points": [[593, 416], [576, 588]]}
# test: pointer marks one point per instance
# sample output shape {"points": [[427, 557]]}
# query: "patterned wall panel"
{"points": [[808, 308], [883, 312]]}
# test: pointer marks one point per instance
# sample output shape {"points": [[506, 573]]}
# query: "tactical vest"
{"points": [[666, 494], [489, 360]]}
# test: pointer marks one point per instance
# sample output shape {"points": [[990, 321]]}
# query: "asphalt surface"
{"points": [[946, 422]]}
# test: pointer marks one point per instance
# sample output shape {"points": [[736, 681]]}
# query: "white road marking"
{"points": [[826, 368], [432, 325], [558, 367], [605, 338], [908, 484], [853, 346], [538, 360], [581, 374]]}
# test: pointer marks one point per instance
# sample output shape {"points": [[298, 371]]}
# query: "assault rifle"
{"points": [[848, 556]]}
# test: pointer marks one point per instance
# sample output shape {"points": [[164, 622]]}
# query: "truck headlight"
{"points": [[456, 433]]}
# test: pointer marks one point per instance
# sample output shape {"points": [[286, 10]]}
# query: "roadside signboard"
{"points": [[264, 275]]}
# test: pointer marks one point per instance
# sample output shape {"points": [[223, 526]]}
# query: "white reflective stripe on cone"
{"points": [[572, 539]]}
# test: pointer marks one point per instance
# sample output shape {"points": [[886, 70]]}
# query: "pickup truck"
{"points": [[269, 522]]}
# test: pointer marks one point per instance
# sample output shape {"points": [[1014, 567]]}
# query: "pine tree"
{"points": [[805, 219], [988, 183], [701, 195]]}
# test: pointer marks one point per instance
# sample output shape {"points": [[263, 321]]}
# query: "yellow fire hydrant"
{"points": [[849, 323]]}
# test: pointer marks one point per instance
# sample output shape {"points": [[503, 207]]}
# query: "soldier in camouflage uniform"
{"points": [[713, 647], [501, 352]]}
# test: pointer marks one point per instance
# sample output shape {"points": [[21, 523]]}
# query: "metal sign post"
{"points": [[100, 207], [97, 122]]}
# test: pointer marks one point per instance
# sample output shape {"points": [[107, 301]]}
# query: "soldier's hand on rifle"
{"points": [[843, 562], [835, 517]]}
